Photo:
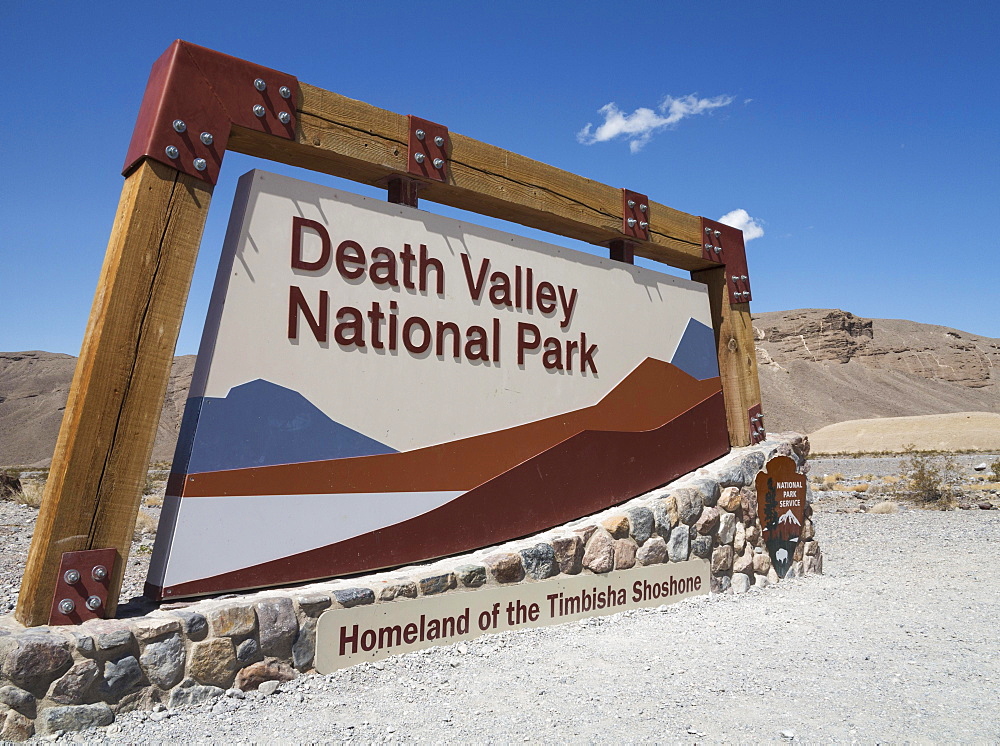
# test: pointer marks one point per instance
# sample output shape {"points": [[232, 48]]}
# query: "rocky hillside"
{"points": [[820, 366], [33, 391], [817, 367]]}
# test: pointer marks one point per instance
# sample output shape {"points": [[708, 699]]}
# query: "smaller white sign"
{"points": [[345, 637]]}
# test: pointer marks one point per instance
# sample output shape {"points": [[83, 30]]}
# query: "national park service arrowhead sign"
{"points": [[781, 505], [378, 385]]}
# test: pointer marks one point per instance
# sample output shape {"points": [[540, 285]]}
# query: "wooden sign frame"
{"points": [[94, 489]]}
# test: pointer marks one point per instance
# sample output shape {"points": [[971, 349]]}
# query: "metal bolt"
{"points": [[438, 163], [66, 606], [643, 208], [439, 141], [100, 572], [708, 231], [718, 234], [743, 277], [200, 163], [631, 222], [179, 125], [631, 203], [260, 85], [172, 152], [72, 576], [206, 137], [420, 134], [643, 224], [259, 110], [735, 278], [708, 246], [419, 157], [718, 249], [285, 91], [284, 117], [94, 603]]}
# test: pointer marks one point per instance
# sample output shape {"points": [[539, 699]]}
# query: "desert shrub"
{"points": [[10, 484], [995, 468], [883, 507], [863, 487], [30, 494], [930, 480], [145, 523]]}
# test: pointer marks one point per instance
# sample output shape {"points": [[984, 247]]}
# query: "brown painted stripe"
{"points": [[651, 395], [587, 473]]}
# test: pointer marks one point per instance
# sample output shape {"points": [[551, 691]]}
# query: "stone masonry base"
{"points": [[70, 678]]}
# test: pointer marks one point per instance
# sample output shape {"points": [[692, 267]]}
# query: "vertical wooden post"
{"points": [[98, 469], [737, 355]]}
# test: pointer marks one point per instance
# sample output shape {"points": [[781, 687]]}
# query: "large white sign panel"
{"points": [[373, 379]]}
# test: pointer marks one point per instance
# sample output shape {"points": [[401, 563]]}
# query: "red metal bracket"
{"points": [[756, 417], [724, 244], [82, 586], [622, 251], [403, 190], [427, 156], [635, 215], [194, 96]]}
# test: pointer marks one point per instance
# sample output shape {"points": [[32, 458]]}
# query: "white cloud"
{"points": [[752, 227], [639, 126]]}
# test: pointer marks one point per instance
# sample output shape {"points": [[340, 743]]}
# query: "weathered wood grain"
{"points": [[737, 356], [98, 469], [354, 140]]}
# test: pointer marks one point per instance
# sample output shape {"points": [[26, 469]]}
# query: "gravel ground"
{"points": [[897, 641], [17, 522]]}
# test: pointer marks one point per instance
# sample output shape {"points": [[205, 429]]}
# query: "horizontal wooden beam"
{"points": [[354, 140]]}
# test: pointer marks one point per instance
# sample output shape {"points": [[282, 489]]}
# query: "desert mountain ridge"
{"points": [[822, 366], [817, 367]]}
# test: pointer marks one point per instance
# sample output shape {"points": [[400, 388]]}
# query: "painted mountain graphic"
{"points": [[261, 424], [789, 517], [696, 354], [581, 475], [383, 510], [788, 528], [650, 396]]}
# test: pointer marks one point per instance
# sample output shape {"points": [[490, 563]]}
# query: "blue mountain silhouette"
{"points": [[262, 424], [695, 353]]}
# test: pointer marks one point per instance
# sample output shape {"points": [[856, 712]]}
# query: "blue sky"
{"points": [[863, 137]]}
